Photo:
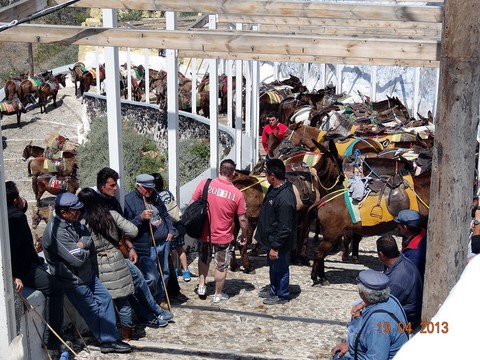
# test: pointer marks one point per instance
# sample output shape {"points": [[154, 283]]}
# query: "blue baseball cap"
{"points": [[146, 180], [372, 279], [68, 200], [408, 218]]}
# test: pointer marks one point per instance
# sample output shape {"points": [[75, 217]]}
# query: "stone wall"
{"points": [[148, 120]]}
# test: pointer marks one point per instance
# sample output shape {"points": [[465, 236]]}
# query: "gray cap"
{"points": [[68, 200], [372, 279], [408, 218], [147, 181]]}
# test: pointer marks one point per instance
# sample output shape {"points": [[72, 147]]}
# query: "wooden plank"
{"points": [[451, 189], [21, 9], [309, 59], [235, 42], [334, 21], [280, 8], [351, 31]]}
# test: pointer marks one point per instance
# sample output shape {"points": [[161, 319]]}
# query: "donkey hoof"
{"points": [[250, 271], [355, 259], [321, 282]]}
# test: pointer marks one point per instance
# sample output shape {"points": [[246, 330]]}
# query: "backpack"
{"points": [[196, 214]]}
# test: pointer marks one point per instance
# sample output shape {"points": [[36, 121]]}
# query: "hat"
{"points": [[147, 181], [68, 200], [373, 280], [408, 218]]}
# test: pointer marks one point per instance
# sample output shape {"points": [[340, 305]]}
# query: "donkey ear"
{"points": [[320, 147], [332, 147], [30, 143]]}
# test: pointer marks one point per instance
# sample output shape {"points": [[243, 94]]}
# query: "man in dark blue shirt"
{"points": [[414, 243], [404, 279]]}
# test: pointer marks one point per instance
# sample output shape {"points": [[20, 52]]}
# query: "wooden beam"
{"points": [[250, 43], [348, 31], [306, 9], [21, 9], [308, 59], [451, 189]]}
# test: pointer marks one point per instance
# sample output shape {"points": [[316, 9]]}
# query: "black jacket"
{"points": [[22, 252], [277, 223]]}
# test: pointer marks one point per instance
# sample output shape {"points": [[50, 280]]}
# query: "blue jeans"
{"points": [[94, 303], [124, 310], [142, 300], [148, 265], [280, 274]]}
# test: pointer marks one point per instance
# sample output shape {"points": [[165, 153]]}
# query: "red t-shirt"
{"points": [[267, 130], [225, 202]]}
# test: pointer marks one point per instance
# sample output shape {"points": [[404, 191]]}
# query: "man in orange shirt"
{"points": [[274, 127]]}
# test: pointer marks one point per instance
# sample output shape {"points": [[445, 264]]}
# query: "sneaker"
{"points": [[155, 323], [186, 275], [274, 300], [165, 316], [265, 292], [115, 347], [219, 297], [202, 290]]}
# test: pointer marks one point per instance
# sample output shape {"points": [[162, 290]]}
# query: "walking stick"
{"points": [[158, 261]]}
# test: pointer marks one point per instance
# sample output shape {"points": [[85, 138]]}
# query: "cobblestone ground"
{"points": [[242, 327]]}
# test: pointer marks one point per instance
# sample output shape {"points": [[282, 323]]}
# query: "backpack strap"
{"points": [[205, 197], [357, 338], [205, 189]]}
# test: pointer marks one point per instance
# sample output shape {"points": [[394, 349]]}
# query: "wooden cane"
{"points": [[158, 261]]}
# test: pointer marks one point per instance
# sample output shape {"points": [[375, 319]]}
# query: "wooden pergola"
{"points": [[441, 34]]}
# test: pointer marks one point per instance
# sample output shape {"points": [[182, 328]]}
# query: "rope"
{"points": [[407, 184], [76, 329], [37, 15], [334, 195], [27, 304], [331, 187], [252, 185]]}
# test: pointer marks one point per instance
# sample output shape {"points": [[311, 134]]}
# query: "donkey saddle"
{"points": [[394, 190]]}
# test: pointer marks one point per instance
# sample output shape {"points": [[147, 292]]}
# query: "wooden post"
{"points": [[454, 152]]}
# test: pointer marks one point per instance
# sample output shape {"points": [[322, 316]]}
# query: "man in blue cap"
{"points": [[67, 246], [379, 332], [414, 243], [145, 209]]}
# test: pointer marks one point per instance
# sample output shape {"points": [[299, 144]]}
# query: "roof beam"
{"points": [[308, 9], [21, 9], [246, 42]]}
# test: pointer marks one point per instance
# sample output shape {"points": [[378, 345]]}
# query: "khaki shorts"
{"points": [[223, 254]]}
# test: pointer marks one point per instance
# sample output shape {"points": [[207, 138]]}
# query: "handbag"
{"points": [[174, 211], [122, 246]]}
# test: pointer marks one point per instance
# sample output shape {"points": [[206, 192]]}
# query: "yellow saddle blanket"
{"points": [[371, 213]]}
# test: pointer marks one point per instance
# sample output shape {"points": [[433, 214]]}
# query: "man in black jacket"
{"points": [[28, 269], [276, 230]]}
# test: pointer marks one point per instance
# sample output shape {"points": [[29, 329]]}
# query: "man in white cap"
{"points": [[67, 246], [145, 209], [381, 329]]}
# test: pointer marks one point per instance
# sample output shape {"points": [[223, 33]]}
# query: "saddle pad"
{"points": [[311, 158], [93, 72], [300, 115], [353, 209], [275, 97], [6, 107], [369, 206]]}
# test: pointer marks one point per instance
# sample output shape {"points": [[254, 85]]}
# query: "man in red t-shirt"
{"points": [[273, 126], [225, 202]]}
